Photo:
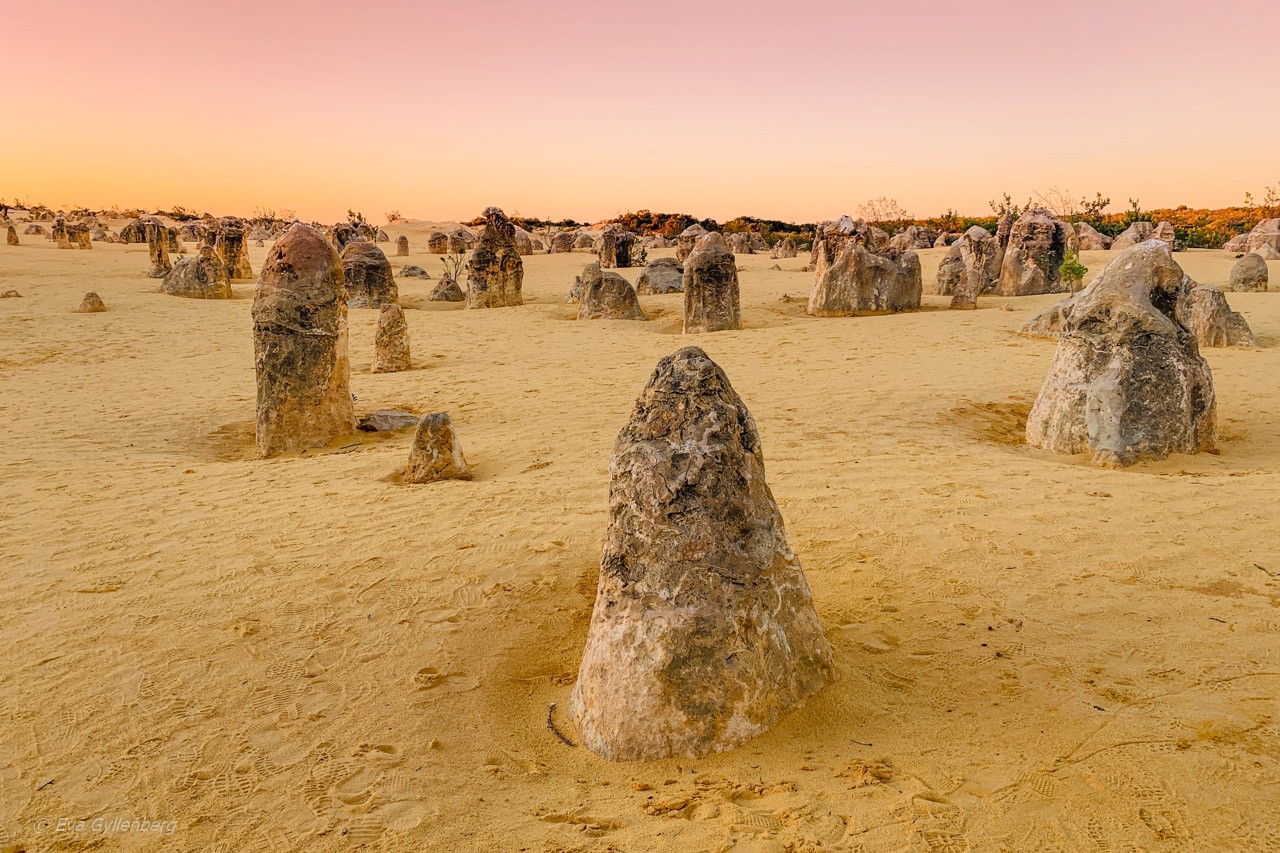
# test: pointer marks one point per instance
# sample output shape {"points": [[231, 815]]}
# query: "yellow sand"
{"points": [[299, 654]]}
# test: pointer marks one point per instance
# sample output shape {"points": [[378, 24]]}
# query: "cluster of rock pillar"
{"points": [[855, 272]]}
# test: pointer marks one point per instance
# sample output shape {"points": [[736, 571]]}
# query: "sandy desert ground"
{"points": [[300, 654]]}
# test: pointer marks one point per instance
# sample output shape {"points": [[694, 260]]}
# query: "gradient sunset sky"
{"points": [[796, 111]]}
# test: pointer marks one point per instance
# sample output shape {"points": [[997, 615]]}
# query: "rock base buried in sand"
{"points": [[861, 281], [608, 296], [201, 277], [1214, 323], [387, 420], [711, 298], [11, 235], [158, 248], [495, 273], [1128, 382], [370, 282], [91, 304], [663, 275], [1038, 243], [436, 453], [1250, 273], [447, 291], [391, 342], [950, 271], [300, 346], [704, 632], [978, 250]]}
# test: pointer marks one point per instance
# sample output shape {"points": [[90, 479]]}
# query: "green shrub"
{"points": [[1072, 272]]}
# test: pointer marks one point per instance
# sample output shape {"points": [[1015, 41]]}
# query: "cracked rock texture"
{"points": [[1128, 382], [300, 346], [704, 633]]}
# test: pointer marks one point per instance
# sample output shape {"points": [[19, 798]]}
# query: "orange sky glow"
{"points": [[585, 110]]}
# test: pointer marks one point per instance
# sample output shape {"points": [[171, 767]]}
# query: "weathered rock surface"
{"points": [[589, 272], [1265, 233], [391, 341], [561, 242], [1165, 232], [687, 240], [448, 290], [740, 244], [370, 282], [1138, 232], [1091, 239], [608, 296], [91, 304], [300, 345], [1250, 273], [1038, 243], [1128, 382], [460, 241], [1214, 323], [1004, 230], [495, 275], [950, 271], [78, 233], [11, 236], [158, 248], [436, 453], [703, 633], [229, 241], [711, 299], [1238, 243], [438, 243], [201, 277], [387, 420], [661, 275], [1267, 252], [978, 251], [413, 271], [786, 248], [851, 279], [1048, 323], [402, 246], [913, 237], [607, 248]]}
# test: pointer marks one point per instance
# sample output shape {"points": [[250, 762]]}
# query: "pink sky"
{"points": [[789, 111]]}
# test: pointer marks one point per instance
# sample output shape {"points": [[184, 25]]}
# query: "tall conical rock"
{"points": [[711, 299], [704, 633], [300, 345]]}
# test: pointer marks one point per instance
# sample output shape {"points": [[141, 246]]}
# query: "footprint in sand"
{"points": [[283, 749], [431, 678], [592, 827]]}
